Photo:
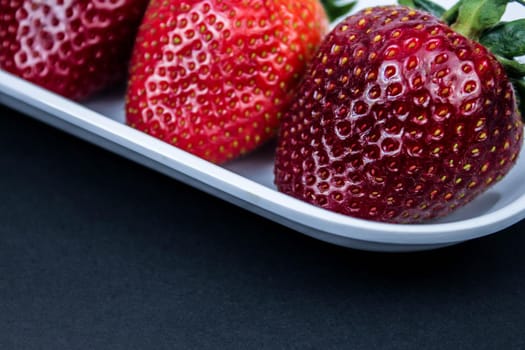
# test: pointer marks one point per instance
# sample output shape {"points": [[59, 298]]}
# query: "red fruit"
{"points": [[212, 76], [399, 119], [74, 48]]}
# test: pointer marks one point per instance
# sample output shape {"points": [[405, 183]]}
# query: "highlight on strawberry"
{"points": [[406, 114], [213, 77], [74, 48]]}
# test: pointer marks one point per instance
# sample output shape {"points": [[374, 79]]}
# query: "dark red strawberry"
{"points": [[399, 119], [212, 76], [72, 47]]}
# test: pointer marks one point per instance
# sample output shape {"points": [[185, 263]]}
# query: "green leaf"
{"points": [[407, 3], [425, 5], [519, 90], [450, 15], [506, 39], [337, 8], [476, 16], [513, 68]]}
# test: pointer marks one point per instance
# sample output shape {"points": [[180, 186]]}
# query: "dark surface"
{"points": [[97, 252]]}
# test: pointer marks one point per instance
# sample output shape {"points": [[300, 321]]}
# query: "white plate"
{"points": [[248, 182]]}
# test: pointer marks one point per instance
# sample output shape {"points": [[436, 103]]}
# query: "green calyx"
{"points": [[476, 16], [337, 8], [424, 5], [480, 20]]}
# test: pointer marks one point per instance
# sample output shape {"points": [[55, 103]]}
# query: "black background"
{"points": [[97, 252]]}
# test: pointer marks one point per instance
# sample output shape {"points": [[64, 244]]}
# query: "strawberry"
{"points": [[400, 118], [72, 47], [212, 76]]}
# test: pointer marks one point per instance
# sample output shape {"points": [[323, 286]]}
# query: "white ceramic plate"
{"points": [[248, 182]]}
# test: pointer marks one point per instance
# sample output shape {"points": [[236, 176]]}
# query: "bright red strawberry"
{"points": [[399, 119], [72, 47], [212, 76]]}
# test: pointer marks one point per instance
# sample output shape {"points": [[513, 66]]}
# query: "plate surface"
{"points": [[248, 182]]}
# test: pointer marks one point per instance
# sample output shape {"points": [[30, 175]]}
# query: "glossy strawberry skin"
{"points": [[74, 48], [212, 76], [399, 119]]}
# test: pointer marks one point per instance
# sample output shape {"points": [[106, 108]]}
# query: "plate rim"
{"points": [[259, 196]]}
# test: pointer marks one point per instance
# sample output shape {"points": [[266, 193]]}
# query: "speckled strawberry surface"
{"points": [[399, 119], [213, 76], [72, 47]]}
